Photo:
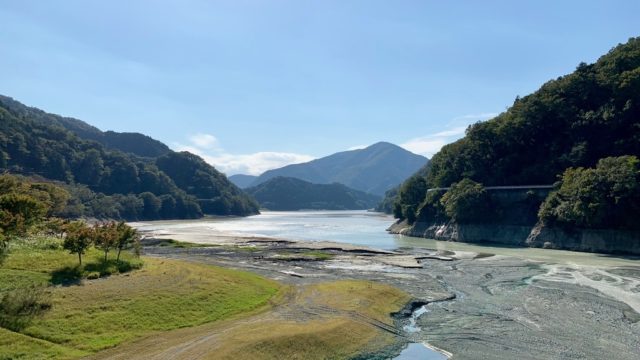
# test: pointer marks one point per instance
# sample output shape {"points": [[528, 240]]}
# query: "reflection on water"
{"points": [[359, 228]]}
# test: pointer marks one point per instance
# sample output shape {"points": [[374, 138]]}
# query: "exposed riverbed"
{"points": [[483, 301]]}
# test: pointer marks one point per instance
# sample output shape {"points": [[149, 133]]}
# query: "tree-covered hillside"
{"points": [[33, 142], [284, 193], [573, 121]]}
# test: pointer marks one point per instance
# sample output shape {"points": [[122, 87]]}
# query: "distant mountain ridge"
{"points": [[289, 194], [134, 178], [242, 181], [374, 169]]}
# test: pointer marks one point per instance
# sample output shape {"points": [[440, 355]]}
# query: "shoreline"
{"points": [[500, 306]]}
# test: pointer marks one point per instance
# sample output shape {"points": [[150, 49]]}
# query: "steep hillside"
{"points": [[33, 142], [558, 135], [133, 143], [374, 169], [283, 193]]}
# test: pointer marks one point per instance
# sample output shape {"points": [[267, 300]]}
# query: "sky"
{"points": [[255, 85]]}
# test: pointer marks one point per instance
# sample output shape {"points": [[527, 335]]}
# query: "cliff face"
{"points": [[518, 226], [589, 240]]}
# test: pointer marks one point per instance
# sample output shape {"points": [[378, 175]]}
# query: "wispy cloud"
{"points": [[208, 147], [357, 147], [205, 141], [430, 144]]}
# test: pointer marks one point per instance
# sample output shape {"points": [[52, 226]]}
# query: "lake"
{"points": [[362, 228]]}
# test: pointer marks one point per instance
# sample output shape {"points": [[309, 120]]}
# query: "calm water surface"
{"points": [[359, 228]]}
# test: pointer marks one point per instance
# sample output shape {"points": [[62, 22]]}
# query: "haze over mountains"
{"points": [[374, 169]]}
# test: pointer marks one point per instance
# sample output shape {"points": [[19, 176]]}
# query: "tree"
{"points": [[607, 196], [55, 226], [466, 201], [79, 238], [18, 213], [105, 237], [126, 237]]}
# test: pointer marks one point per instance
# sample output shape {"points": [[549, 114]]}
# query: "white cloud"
{"points": [[207, 147], [430, 144], [204, 141], [426, 146], [357, 147]]}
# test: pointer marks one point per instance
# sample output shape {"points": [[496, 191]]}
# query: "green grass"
{"points": [[98, 314], [17, 346]]}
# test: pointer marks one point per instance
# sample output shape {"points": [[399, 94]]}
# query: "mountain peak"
{"points": [[374, 169]]}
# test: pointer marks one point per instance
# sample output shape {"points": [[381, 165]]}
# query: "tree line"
{"points": [[27, 208]]}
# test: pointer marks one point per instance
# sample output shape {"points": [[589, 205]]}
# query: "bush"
{"points": [[607, 196], [467, 201]]}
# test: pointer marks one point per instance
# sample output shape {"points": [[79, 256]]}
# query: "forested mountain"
{"points": [[134, 143], [242, 181], [284, 193], [373, 170], [33, 142], [570, 122]]}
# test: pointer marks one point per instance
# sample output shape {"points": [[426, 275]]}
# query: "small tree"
{"points": [[79, 238], [55, 227], [127, 236], [106, 237]]}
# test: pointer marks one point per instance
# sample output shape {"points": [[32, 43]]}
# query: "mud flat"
{"points": [[479, 305]]}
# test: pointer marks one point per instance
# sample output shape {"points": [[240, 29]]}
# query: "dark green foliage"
{"points": [[570, 122], [390, 198], [284, 193], [19, 213], [107, 183], [411, 195], [432, 209], [467, 201], [607, 196], [216, 194]]}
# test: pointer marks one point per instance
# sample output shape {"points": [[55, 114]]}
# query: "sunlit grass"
{"points": [[98, 314]]}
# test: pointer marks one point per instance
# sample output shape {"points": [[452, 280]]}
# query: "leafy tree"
{"points": [[55, 226], [18, 213], [126, 237], [602, 197], [411, 195], [79, 238], [466, 201], [105, 237]]}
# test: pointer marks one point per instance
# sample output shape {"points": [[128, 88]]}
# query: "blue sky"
{"points": [[252, 85]]}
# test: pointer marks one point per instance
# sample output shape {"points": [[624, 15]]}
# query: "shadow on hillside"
{"points": [[73, 275]]}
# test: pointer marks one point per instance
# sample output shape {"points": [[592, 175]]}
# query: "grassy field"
{"points": [[345, 325], [335, 320], [96, 314]]}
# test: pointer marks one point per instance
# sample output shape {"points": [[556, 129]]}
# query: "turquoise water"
{"points": [[353, 227]]}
